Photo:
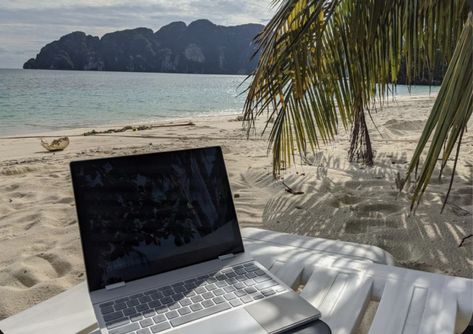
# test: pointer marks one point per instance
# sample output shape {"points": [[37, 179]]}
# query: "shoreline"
{"points": [[71, 130], [24, 146]]}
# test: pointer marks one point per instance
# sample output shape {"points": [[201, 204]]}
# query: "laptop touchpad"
{"points": [[235, 322], [282, 311]]}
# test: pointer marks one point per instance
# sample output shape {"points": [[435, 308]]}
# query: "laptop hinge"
{"points": [[114, 285], [226, 256]]}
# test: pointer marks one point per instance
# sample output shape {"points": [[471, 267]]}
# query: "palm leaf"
{"points": [[449, 116], [327, 61]]}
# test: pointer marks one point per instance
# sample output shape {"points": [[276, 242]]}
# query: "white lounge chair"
{"points": [[339, 278]]}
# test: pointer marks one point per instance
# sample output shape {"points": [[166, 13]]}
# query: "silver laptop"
{"points": [[163, 251]]}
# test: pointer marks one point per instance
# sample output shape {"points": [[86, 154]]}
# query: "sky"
{"points": [[27, 25]]}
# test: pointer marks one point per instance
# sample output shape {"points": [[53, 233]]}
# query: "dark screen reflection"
{"points": [[146, 214]]}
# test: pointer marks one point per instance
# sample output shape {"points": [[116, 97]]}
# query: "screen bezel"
{"points": [[172, 263]]}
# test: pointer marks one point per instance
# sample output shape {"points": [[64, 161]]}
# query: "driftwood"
{"points": [[135, 128], [291, 191], [464, 239], [58, 144]]}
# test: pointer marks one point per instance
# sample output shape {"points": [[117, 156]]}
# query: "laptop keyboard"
{"points": [[157, 310]]}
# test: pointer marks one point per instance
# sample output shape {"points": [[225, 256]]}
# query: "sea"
{"points": [[38, 101]]}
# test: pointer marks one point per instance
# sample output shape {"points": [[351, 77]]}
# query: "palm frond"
{"points": [[449, 116], [326, 61]]}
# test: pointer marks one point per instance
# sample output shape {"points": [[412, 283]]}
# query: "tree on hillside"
{"points": [[328, 61]]}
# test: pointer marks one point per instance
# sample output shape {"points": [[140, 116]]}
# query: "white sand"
{"points": [[40, 253]]}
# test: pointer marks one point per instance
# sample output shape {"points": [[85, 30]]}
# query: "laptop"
{"points": [[163, 251]]}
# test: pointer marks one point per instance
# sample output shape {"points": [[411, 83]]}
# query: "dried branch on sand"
{"points": [[291, 191], [136, 128]]}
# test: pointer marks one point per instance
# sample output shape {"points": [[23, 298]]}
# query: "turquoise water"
{"points": [[40, 100]]}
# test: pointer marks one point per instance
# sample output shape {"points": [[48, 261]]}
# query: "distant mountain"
{"points": [[200, 47]]}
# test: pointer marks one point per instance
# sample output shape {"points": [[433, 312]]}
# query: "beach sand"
{"points": [[40, 253]]}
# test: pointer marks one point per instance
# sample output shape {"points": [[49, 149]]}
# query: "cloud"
{"points": [[27, 25], [48, 4]]}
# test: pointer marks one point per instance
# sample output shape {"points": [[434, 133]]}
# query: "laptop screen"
{"points": [[146, 214]]}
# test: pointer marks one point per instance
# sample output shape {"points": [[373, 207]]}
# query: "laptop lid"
{"points": [[146, 214]]}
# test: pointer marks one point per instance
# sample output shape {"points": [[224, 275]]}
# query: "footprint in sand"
{"points": [[364, 225], [465, 191], [370, 213], [462, 196], [377, 209], [56, 175], [33, 270], [12, 187], [65, 200], [349, 199], [29, 226], [39, 247], [19, 220], [17, 195], [366, 184], [61, 266]]}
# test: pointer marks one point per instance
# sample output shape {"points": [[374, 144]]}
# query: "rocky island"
{"points": [[200, 47]]}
